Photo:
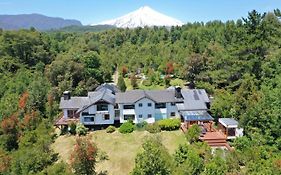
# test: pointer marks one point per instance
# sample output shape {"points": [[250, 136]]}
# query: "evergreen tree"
{"points": [[121, 84]]}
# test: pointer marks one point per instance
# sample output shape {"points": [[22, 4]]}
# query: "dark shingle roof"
{"points": [[73, 102], [111, 87], [158, 96], [84, 102], [194, 99]]}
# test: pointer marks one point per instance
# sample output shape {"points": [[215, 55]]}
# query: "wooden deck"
{"points": [[212, 137]]}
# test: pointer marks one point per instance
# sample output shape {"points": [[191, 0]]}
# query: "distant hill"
{"points": [[82, 29], [40, 22]]}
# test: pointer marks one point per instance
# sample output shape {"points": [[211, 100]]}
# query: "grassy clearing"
{"points": [[141, 86], [120, 148]]}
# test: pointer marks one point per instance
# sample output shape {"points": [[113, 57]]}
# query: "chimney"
{"points": [[66, 95], [178, 92]]}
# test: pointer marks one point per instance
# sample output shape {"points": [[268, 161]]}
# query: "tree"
{"points": [[134, 82], [121, 84], [193, 133], [83, 157], [154, 159]]}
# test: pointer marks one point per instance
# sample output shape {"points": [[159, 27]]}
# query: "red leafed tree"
{"points": [[31, 120], [5, 161], [83, 157], [23, 99], [169, 68], [9, 125], [124, 70]]}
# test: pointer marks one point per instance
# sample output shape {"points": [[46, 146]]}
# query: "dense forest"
{"points": [[237, 62]]}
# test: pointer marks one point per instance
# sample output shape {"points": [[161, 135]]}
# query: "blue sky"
{"points": [[94, 11]]}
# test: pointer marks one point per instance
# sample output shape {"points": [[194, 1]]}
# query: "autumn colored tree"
{"points": [[23, 99], [134, 81], [124, 71], [5, 161], [169, 68], [31, 120], [9, 126], [83, 157]]}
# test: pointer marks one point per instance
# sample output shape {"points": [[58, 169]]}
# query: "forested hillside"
{"points": [[237, 62]]}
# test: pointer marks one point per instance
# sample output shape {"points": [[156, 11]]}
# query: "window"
{"points": [[89, 119], [102, 107], [140, 104], [72, 114], [160, 105], [149, 104], [106, 117], [130, 116], [173, 114], [140, 116], [149, 115], [129, 106], [173, 104], [85, 113]]}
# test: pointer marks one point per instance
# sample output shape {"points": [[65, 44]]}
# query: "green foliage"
{"points": [[153, 128], [156, 156], [72, 128], [121, 84], [193, 133], [110, 129], [81, 130], [133, 80], [169, 124], [188, 160], [34, 153], [127, 127], [59, 168], [141, 126]]}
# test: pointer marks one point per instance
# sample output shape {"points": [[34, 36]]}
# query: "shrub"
{"points": [[193, 133], [81, 129], [72, 128], [169, 124], [141, 126], [126, 127], [110, 129], [153, 128]]}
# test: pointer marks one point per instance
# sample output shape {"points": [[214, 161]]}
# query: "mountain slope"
{"points": [[83, 29], [40, 22], [145, 16]]}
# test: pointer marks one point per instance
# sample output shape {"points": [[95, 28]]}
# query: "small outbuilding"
{"points": [[229, 127]]}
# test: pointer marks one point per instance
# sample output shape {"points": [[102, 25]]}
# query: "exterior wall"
{"points": [[171, 108], [65, 113], [144, 110], [99, 115]]}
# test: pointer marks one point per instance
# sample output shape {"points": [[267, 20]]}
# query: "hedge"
{"points": [[169, 124]]}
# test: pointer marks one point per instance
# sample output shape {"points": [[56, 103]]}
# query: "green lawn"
{"points": [[120, 148]]}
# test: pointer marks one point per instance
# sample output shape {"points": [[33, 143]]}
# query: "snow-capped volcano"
{"points": [[144, 16]]}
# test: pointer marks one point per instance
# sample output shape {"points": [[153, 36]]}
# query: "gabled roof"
{"points": [[73, 102], [97, 96], [158, 96], [84, 102], [194, 99], [114, 89]]}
